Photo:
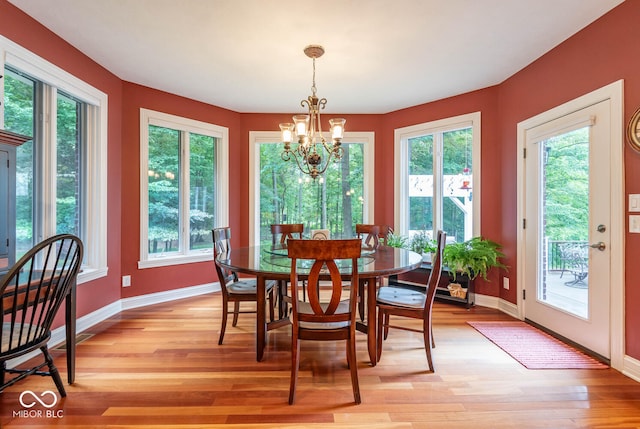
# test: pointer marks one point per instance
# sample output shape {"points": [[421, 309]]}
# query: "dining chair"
{"points": [[32, 292], [370, 236], [331, 317], [412, 303], [280, 233], [234, 289]]}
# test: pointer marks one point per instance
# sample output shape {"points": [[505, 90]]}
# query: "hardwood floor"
{"points": [[161, 367]]}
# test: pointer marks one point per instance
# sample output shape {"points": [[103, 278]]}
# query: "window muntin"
{"points": [[37, 85], [282, 194], [184, 188], [437, 177]]}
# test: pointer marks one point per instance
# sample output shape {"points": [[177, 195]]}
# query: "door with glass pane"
{"points": [[567, 227]]}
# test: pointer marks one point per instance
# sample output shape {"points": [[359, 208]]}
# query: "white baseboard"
{"points": [[631, 368]]}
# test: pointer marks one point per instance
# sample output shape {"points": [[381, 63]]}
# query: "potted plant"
{"points": [[394, 240], [474, 257]]}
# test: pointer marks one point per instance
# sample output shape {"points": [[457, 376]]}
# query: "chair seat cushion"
{"points": [[305, 307], [401, 297], [247, 286]]}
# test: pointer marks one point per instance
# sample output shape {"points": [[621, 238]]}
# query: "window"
{"points": [[183, 188], [280, 193], [61, 173], [437, 177]]}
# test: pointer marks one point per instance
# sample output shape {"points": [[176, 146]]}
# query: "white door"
{"points": [[567, 226]]}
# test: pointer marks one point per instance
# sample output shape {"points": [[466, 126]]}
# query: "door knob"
{"points": [[599, 245]]}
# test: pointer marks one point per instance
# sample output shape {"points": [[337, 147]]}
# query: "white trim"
{"points": [[401, 163], [613, 92], [151, 117], [258, 137], [95, 242]]}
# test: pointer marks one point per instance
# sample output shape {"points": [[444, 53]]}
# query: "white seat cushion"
{"points": [[305, 307], [247, 286], [401, 297]]}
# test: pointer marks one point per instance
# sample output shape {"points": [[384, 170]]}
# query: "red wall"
{"points": [[600, 54]]}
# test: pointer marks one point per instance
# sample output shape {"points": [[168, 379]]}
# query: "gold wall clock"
{"points": [[633, 131]]}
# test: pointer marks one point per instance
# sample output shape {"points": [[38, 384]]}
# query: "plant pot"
{"points": [[456, 290]]}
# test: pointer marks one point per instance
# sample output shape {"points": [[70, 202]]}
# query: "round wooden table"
{"points": [[271, 263]]}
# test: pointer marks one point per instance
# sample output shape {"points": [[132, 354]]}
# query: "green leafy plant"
{"points": [[421, 243], [474, 257], [400, 241]]}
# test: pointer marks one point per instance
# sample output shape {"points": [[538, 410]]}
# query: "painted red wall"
{"points": [[22, 30]]}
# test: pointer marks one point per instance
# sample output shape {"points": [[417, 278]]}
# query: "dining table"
{"points": [[270, 262]]}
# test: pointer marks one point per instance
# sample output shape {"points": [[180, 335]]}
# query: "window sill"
{"points": [[163, 261]]}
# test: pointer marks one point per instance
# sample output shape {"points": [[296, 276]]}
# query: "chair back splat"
{"points": [[328, 315], [411, 302], [281, 232], [31, 294]]}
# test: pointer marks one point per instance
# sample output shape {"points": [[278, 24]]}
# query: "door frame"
{"points": [[613, 92]]}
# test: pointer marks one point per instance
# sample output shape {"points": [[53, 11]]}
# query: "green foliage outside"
{"points": [[333, 202]]}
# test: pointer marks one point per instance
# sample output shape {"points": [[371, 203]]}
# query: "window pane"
{"points": [[19, 96], [421, 184], [335, 201], [457, 206], [202, 192], [164, 213], [68, 167]]}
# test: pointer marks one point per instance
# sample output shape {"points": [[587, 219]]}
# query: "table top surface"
{"points": [[272, 261]]}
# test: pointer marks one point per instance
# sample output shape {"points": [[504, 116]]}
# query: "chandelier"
{"points": [[311, 146]]}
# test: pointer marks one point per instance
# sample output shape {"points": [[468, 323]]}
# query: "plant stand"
{"points": [[419, 277]]}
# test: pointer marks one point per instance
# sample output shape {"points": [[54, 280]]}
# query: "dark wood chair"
{"points": [[324, 319], [413, 303], [370, 236], [281, 232], [234, 289], [32, 292]]}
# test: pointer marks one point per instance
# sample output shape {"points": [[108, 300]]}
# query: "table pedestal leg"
{"points": [[371, 320], [261, 318]]}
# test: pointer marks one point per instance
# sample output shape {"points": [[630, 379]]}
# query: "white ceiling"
{"points": [[381, 55]]}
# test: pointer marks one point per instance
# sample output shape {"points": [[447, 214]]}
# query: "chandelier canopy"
{"points": [[311, 144]]}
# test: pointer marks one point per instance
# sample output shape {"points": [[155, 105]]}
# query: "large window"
{"points": [[184, 188], [437, 177], [337, 200], [61, 172]]}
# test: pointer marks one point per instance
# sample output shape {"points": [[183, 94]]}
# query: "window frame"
{"points": [[181, 124], [94, 198], [401, 167], [256, 138]]}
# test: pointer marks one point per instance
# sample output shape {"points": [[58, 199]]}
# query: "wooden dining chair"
{"points": [[324, 319], [234, 289], [370, 236], [32, 292], [412, 303], [281, 232]]}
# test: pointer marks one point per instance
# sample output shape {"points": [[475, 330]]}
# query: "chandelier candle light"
{"points": [[308, 130]]}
